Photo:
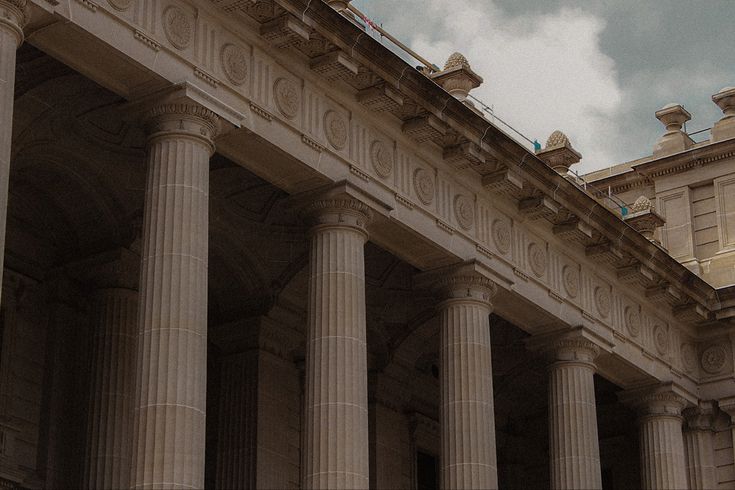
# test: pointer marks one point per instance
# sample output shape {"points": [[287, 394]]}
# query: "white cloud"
{"points": [[542, 72]]}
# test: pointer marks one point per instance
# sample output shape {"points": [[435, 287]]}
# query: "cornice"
{"points": [[491, 140]]}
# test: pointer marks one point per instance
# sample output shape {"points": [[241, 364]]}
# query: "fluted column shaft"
{"points": [[573, 441], [699, 445], [12, 18], [110, 418], [169, 426], [662, 445], [336, 419], [467, 414], [237, 435]]}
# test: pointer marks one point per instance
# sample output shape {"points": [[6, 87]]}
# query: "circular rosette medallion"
{"points": [[235, 64], [381, 158], [335, 128]]}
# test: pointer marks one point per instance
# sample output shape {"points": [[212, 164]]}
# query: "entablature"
{"points": [[336, 101]]}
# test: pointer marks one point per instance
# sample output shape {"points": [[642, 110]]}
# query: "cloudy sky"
{"points": [[597, 70]]}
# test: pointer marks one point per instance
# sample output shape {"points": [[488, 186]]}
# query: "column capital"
{"points": [[14, 15], [578, 345], [182, 118], [701, 417], [460, 282], [727, 405], [664, 400], [338, 211]]}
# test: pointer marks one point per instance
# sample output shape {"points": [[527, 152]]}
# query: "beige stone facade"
{"points": [[246, 246]]}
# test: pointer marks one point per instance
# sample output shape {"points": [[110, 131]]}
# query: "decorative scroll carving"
{"points": [[537, 259], [570, 280], [335, 129], [381, 159], [424, 186], [501, 235], [602, 301], [287, 97], [178, 26], [234, 63], [464, 211], [713, 359]]}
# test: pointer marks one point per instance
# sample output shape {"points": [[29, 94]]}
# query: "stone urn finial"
{"points": [[558, 153], [457, 77], [725, 127], [644, 218], [673, 117]]}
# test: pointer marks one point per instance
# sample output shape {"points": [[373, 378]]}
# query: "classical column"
{"points": [[12, 19], [663, 464], [467, 414], [699, 440], [336, 421], [573, 443], [238, 422], [169, 427], [109, 435]]}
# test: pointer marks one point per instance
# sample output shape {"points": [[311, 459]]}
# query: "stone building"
{"points": [[247, 246]]}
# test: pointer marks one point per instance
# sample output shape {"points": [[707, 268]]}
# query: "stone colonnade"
{"points": [[147, 431]]}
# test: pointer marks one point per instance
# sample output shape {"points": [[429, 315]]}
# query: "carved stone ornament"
{"points": [[120, 4], [537, 259], [234, 63], [713, 359], [632, 320], [570, 280], [501, 235], [602, 301], [335, 128], [287, 97], [661, 339], [424, 186], [381, 158], [178, 25], [688, 357], [464, 211]]}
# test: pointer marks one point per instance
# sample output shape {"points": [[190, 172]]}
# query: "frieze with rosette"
{"points": [[424, 186], [661, 339], [234, 63], [713, 359], [381, 158], [632, 318], [335, 129], [287, 97], [179, 26], [570, 280], [464, 210], [120, 5], [688, 357], [603, 302], [537, 259], [502, 235]]}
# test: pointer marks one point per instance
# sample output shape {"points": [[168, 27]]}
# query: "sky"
{"points": [[596, 70]]}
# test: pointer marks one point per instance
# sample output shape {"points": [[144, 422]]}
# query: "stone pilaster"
{"points": [[699, 445], [663, 463], [12, 19], [169, 427], [336, 419], [573, 441], [109, 425], [467, 414]]}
